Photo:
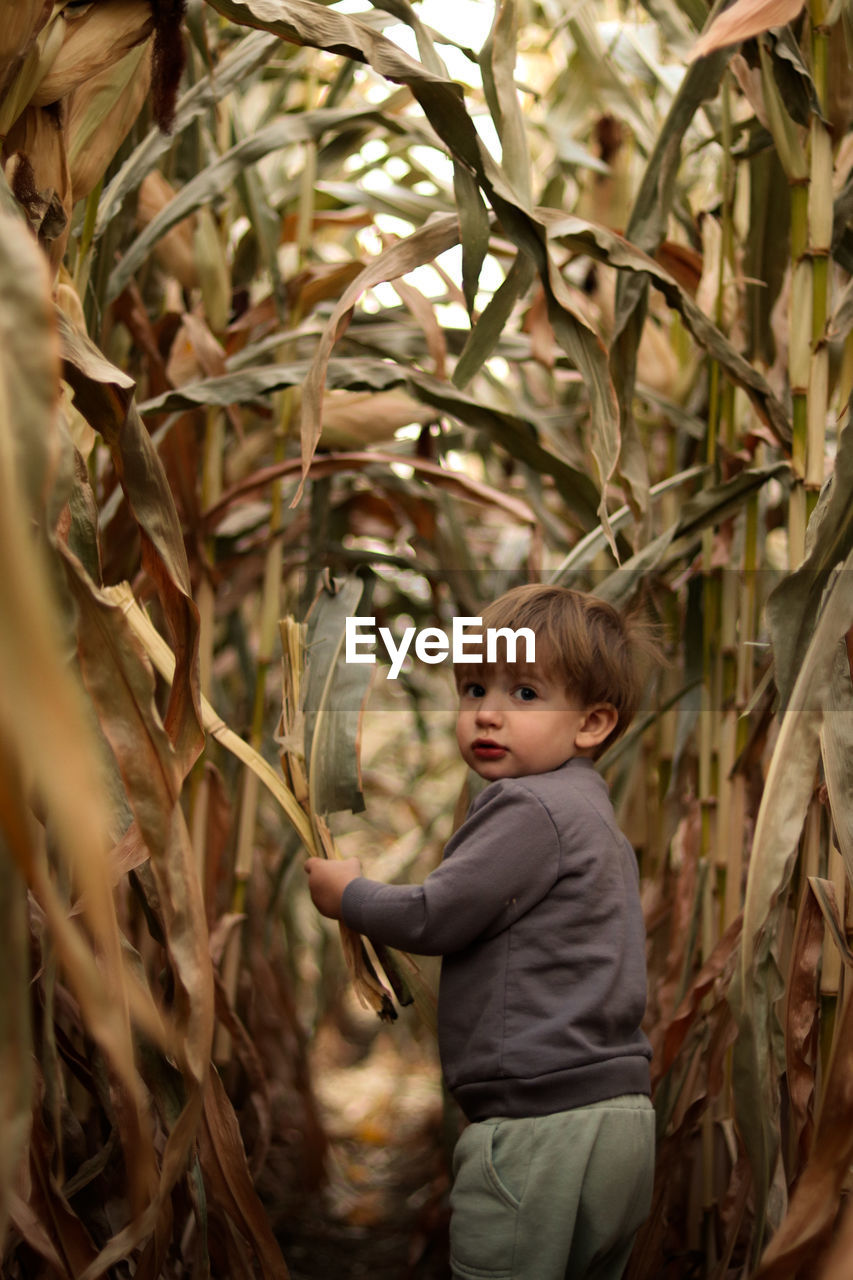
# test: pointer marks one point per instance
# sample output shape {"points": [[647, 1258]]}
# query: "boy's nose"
{"points": [[488, 712]]}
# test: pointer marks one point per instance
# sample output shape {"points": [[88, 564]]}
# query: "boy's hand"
{"points": [[327, 879]]}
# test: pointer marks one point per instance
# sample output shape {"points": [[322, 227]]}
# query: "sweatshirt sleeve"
{"points": [[502, 860]]}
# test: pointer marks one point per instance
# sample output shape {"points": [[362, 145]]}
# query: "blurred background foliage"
{"points": [[389, 308]]}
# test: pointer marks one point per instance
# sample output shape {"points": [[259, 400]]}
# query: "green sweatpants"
{"points": [[556, 1197]]}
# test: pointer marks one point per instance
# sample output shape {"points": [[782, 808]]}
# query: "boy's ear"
{"points": [[598, 723]]}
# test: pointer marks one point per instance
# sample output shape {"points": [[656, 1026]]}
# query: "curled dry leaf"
{"points": [[742, 20]]}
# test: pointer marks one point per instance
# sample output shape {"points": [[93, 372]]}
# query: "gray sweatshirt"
{"points": [[536, 911]]}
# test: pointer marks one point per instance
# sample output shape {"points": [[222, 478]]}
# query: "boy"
{"points": [[535, 910]]}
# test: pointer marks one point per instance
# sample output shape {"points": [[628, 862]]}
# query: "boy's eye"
{"points": [[526, 694]]}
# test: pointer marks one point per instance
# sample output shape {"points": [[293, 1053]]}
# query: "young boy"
{"points": [[535, 910]]}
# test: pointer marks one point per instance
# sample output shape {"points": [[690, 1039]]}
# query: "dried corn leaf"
{"points": [[626, 257], [164, 661], [513, 433], [440, 233], [228, 1182], [705, 510], [103, 394], [741, 21], [647, 229], [497, 62]]}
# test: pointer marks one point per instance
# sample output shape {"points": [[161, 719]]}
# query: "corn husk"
{"points": [[36, 168], [94, 41], [21, 23], [29, 71], [101, 114]]}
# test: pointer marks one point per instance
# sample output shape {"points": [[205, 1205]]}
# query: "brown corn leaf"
{"points": [[28, 1223], [249, 1058], [423, 311], [104, 395], [51, 1207], [439, 233], [815, 1202], [716, 973], [228, 1182], [454, 482], [321, 281], [741, 21], [836, 1264], [121, 684], [164, 662]]}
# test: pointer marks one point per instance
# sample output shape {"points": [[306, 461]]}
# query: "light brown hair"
{"points": [[599, 654]]}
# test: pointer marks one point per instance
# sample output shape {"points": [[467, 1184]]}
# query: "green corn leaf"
{"points": [[335, 691]]}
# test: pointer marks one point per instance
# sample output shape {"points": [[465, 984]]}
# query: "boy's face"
{"points": [[514, 721]]}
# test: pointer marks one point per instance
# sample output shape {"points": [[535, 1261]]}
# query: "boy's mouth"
{"points": [[486, 749]]}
